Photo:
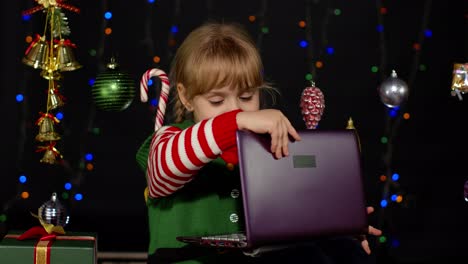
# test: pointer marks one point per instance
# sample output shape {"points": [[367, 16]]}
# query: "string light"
{"points": [[19, 98], [395, 243], [174, 29], [25, 195], [154, 102], [319, 64], [302, 24], [316, 62], [22, 179], [108, 15], [89, 166], [383, 203], [395, 115], [303, 43], [59, 115], [428, 33], [89, 157], [392, 112], [156, 59], [382, 239], [78, 196], [399, 199]]}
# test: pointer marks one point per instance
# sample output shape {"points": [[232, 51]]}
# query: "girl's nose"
{"points": [[233, 105]]}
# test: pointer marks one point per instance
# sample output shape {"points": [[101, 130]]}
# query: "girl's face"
{"points": [[222, 100]]}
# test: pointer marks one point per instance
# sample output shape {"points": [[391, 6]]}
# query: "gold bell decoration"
{"points": [[52, 53], [459, 80], [50, 153], [350, 125], [65, 59], [37, 53], [46, 128], [55, 99]]}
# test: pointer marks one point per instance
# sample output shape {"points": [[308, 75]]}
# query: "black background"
{"points": [[428, 149]]}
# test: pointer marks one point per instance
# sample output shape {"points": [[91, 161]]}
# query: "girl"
{"points": [[193, 183]]}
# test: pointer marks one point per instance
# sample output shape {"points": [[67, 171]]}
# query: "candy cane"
{"points": [[163, 96]]}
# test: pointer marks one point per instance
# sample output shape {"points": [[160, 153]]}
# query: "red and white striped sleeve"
{"points": [[177, 155]]}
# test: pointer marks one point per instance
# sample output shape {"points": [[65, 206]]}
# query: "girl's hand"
{"points": [[269, 121], [371, 231]]}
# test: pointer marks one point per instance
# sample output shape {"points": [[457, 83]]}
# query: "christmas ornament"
{"points": [[459, 80], [53, 54], [53, 212], [312, 105], [393, 91], [164, 95], [65, 58], [50, 153], [55, 99], [350, 125], [113, 90], [37, 54], [46, 128]]}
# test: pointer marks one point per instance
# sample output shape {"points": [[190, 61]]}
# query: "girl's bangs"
{"points": [[236, 70]]}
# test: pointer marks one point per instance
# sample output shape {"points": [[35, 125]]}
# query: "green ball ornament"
{"points": [[113, 90]]}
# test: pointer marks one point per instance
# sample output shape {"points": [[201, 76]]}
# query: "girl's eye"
{"points": [[217, 102], [246, 98]]}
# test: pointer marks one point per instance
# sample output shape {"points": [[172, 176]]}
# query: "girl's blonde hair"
{"points": [[215, 55]]}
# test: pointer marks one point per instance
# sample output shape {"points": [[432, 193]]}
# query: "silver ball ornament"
{"points": [[393, 91], [54, 212]]}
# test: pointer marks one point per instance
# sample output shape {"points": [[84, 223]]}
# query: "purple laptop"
{"points": [[316, 191]]}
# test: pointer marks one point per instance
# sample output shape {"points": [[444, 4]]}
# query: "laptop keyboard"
{"points": [[230, 240]]}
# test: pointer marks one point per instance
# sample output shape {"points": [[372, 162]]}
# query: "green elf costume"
{"points": [[193, 186]]}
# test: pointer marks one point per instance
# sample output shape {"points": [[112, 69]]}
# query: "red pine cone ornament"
{"points": [[312, 106]]}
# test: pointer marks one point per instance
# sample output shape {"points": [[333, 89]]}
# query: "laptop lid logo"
{"points": [[304, 161]]}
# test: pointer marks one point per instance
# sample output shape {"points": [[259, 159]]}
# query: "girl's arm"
{"points": [[176, 155]]}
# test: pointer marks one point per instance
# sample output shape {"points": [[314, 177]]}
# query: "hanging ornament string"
{"points": [[163, 97], [262, 24], [174, 29], [312, 100], [308, 37]]}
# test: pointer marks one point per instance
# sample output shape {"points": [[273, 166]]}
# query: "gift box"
{"points": [[70, 248]]}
